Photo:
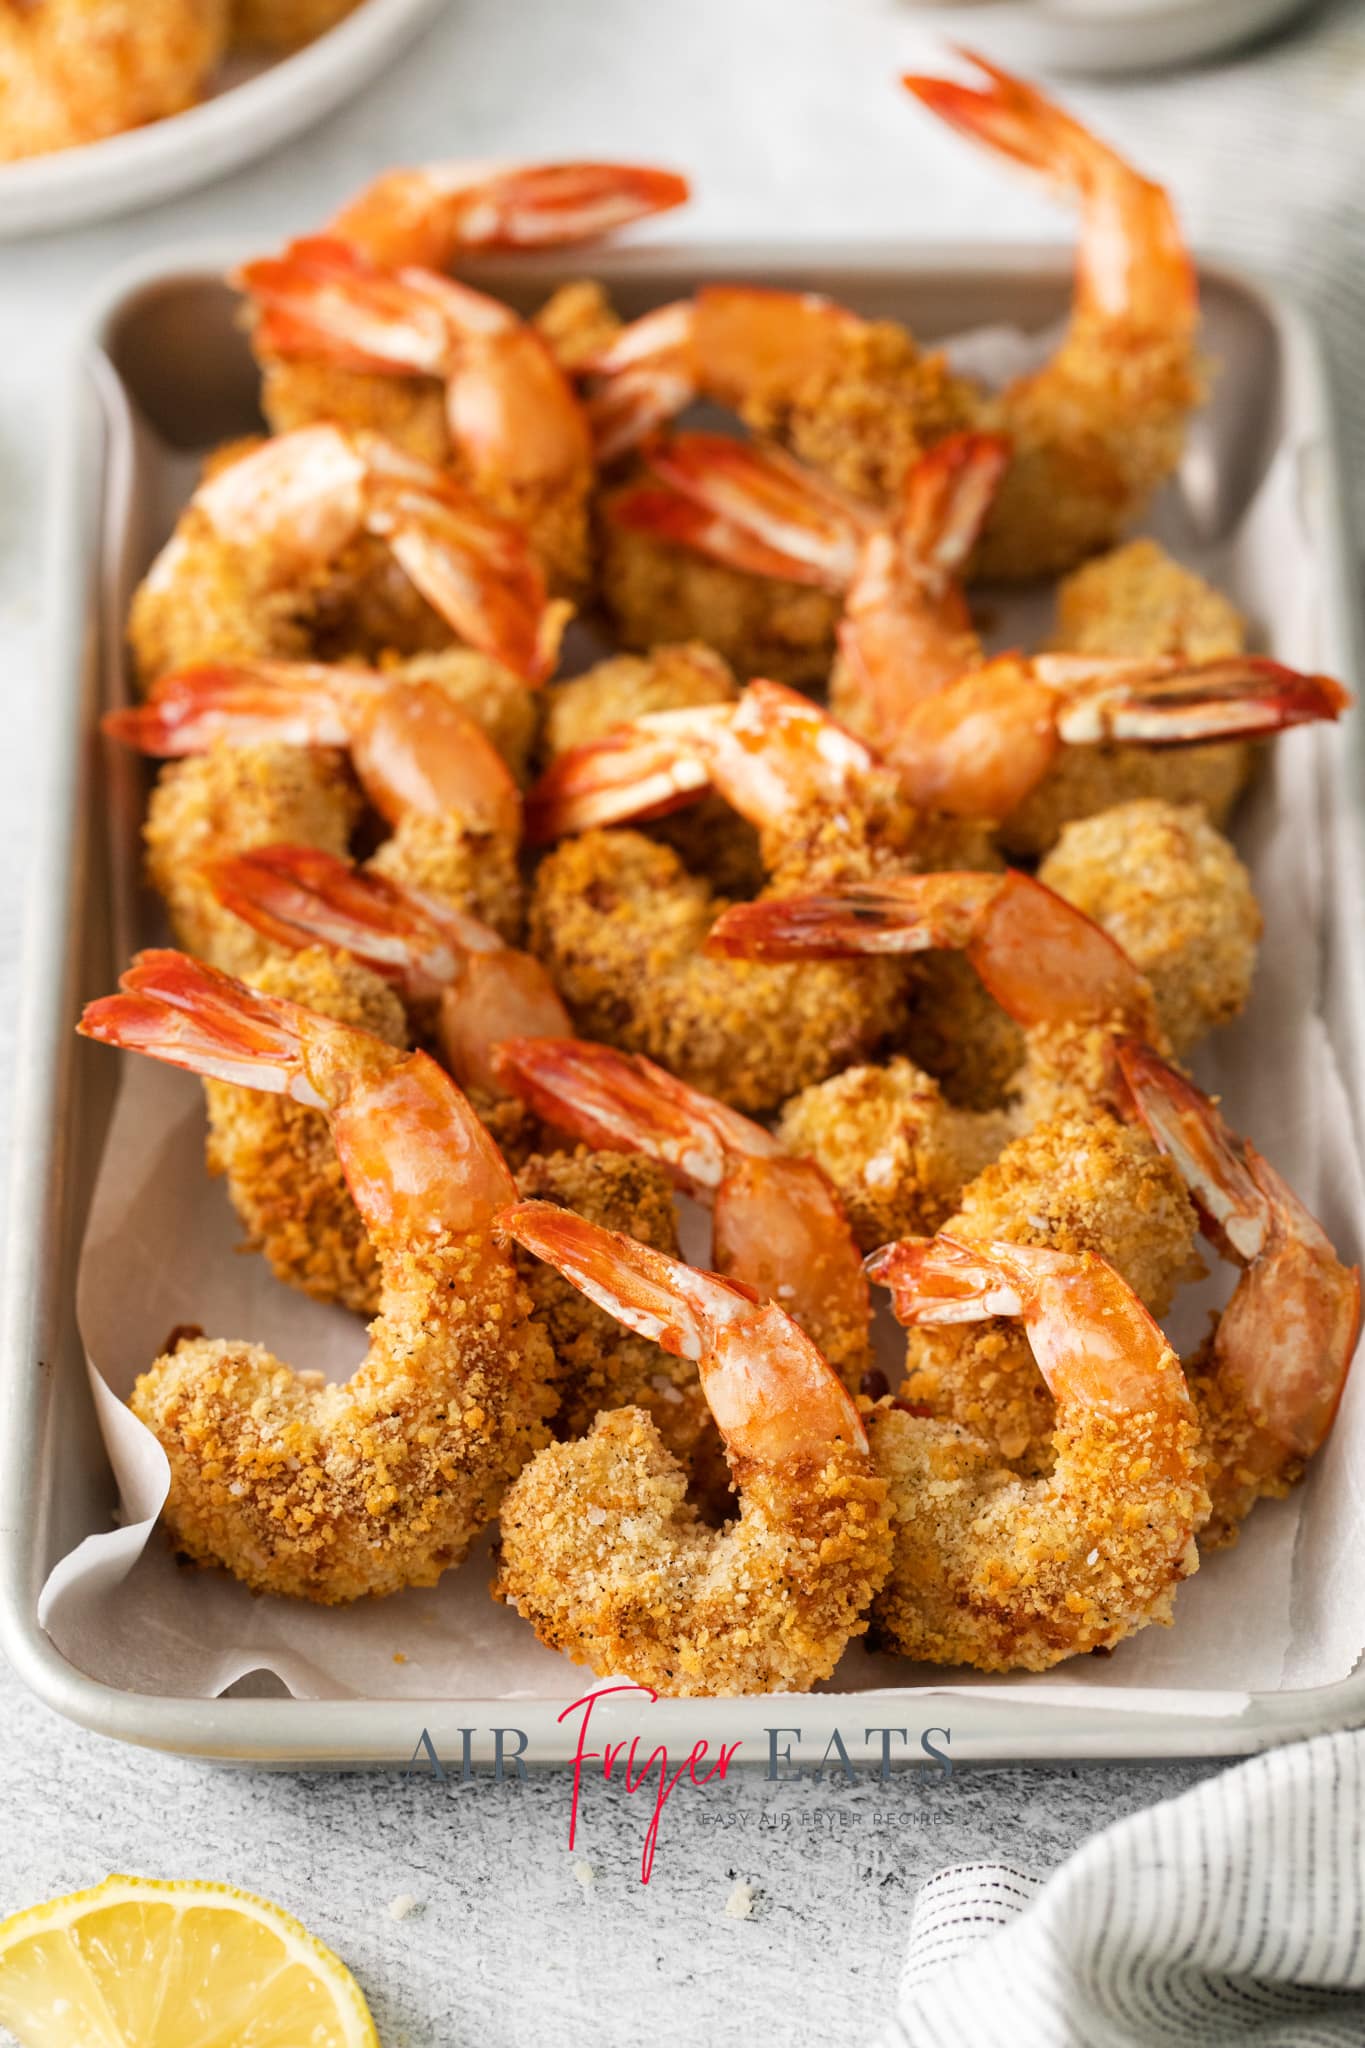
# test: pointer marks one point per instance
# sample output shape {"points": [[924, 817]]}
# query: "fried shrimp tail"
{"points": [[1102, 424], [438, 956], [607, 1559], [331, 1492], [1006, 1573], [436, 213], [778, 1225], [1270, 1379]]}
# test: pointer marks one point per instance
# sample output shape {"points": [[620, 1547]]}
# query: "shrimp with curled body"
{"points": [[331, 540], [1269, 1379], [777, 1224], [1006, 1573], [1093, 433], [605, 1556], [447, 373], [621, 923], [323, 1492], [424, 764]]}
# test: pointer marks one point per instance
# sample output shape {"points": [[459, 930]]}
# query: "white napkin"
{"points": [[1234, 1914]]}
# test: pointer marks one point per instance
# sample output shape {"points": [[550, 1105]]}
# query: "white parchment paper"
{"points": [[1284, 1609]]}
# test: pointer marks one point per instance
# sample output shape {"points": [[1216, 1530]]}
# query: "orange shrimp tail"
{"points": [[939, 1280], [299, 896], [1134, 265], [633, 772], [813, 530], [323, 298], [190, 1015], [293, 703], [661, 513], [946, 497], [1177, 703], [903, 914]]}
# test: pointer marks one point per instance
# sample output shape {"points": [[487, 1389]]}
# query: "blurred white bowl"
{"points": [[1099, 36], [254, 107]]}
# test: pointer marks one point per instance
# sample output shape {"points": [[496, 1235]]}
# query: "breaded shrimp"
{"points": [[426, 767], [1102, 424], [1094, 432], [578, 321], [466, 991], [1168, 886], [1268, 1381], [449, 374], [608, 1560], [897, 1151], [1137, 602], [777, 1224], [1078, 1182], [1009, 1574], [329, 540], [331, 1492], [825, 807], [74, 71], [711, 838], [904, 629], [620, 923]]}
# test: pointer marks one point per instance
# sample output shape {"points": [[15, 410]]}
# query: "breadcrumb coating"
{"points": [[329, 1493], [1076, 1183], [1008, 1574], [762, 625], [867, 412], [206, 599], [955, 1030], [605, 1556], [577, 321], [1136, 601], [1093, 436], [75, 71], [1169, 887], [620, 923], [477, 870], [283, 1175], [897, 1151], [227, 801], [602, 1364]]}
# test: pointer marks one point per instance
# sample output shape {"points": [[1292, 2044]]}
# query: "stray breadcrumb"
{"points": [[404, 1904], [740, 1904], [584, 1875]]}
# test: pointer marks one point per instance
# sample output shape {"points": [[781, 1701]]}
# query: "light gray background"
{"points": [[788, 118]]}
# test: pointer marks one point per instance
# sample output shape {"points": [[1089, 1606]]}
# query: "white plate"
{"points": [[248, 115], [1107, 36]]}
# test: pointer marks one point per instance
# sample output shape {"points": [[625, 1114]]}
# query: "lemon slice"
{"points": [[137, 1963]]}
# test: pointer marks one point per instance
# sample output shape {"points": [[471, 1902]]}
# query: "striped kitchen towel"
{"points": [[1233, 1915]]}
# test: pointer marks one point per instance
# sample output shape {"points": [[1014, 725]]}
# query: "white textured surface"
{"points": [[787, 116]]}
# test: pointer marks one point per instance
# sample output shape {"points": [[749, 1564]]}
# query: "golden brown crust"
{"points": [[77, 71], [476, 870], [1168, 886], [285, 24], [620, 923], [227, 801], [896, 1150], [577, 321], [763, 626], [1077, 1183], [608, 1560], [283, 1175], [1007, 1574]]}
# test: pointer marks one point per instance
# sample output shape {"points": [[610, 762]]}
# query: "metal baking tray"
{"points": [[163, 372]]}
